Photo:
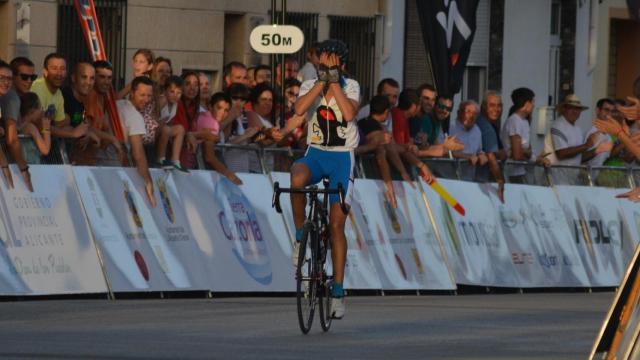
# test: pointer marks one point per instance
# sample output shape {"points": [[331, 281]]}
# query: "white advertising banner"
{"points": [[629, 212], [424, 247], [46, 245], [597, 231], [360, 272], [243, 240], [475, 245], [144, 248], [538, 237], [403, 248]]}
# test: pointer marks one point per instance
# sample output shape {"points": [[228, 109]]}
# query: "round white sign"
{"points": [[276, 39]]}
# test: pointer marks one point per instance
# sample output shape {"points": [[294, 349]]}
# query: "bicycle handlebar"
{"points": [[277, 190]]}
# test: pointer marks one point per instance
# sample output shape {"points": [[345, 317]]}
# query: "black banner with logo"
{"points": [[448, 27], [634, 9]]}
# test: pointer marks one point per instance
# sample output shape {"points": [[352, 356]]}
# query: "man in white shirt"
{"points": [[569, 144], [604, 142], [133, 126]]}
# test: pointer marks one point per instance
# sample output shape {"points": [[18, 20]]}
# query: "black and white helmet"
{"points": [[333, 46]]}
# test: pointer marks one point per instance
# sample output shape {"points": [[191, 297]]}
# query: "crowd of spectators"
{"points": [[167, 118]]}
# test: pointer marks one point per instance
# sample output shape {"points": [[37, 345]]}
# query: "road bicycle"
{"points": [[313, 284]]}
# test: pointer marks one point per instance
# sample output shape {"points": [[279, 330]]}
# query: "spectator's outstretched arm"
{"points": [[5, 169], [606, 146], [614, 128], [374, 140], [15, 149], [631, 112], [248, 134], [494, 168], [274, 134], [208, 149], [63, 129], [569, 152], [139, 158]]}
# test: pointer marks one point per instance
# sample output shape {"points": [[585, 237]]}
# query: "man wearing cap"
{"points": [[569, 145]]}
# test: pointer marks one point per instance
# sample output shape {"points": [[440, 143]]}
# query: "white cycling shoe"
{"points": [[337, 308]]}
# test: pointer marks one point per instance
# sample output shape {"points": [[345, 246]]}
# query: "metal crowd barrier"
{"points": [[267, 159]]}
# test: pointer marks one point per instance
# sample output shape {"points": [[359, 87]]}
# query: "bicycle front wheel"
{"points": [[324, 306], [306, 281]]}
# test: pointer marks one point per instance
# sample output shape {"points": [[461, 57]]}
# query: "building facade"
{"points": [[554, 47]]}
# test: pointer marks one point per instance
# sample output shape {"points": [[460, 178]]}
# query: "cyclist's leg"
{"points": [[300, 177], [337, 220], [304, 171], [342, 173]]}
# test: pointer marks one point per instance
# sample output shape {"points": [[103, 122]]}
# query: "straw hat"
{"points": [[572, 100]]}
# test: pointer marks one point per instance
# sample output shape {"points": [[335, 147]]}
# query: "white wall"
{"points": [[392, 58], [583, 71], [525, 57]]}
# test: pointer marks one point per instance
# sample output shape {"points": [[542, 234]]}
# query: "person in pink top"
{"points": [[219, 105]]}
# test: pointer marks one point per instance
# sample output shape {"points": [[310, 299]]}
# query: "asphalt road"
{"points": [[513, 326]]}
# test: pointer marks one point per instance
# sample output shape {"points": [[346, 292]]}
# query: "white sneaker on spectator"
{"points": [[295, 253], [337, 308]]}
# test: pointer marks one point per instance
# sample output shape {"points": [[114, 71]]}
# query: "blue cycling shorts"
{"points": [[335, 165]]}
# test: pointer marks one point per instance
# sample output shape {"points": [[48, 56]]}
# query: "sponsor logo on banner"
{"points": [[401, 266], [356, 230], [591, 228], [531, 211], [522, 258], [128, 197], [166, 201], [142, 265], [451, 227], [393, 217], [416, 259], [240, 225]]}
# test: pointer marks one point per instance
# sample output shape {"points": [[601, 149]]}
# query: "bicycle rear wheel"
{"points": [[306, 281]]}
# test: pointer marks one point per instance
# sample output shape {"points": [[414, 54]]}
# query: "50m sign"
{"points": [[276, 39]]}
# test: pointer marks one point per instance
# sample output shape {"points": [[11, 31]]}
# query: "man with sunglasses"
{"points": [[433, 126], [25, 75], [10, 107]]}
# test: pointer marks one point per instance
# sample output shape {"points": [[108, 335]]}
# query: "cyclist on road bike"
{"points": [[331, 104]]}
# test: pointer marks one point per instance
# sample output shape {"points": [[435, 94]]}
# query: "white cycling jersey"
{"points": [[327, 130]]}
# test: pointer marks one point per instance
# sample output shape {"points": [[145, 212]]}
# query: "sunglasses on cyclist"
{"points": [[27, 77]]}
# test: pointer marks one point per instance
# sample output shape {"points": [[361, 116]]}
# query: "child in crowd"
{"points": [[219, 106], [142, 66], [35, 122], [170, 130]]}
